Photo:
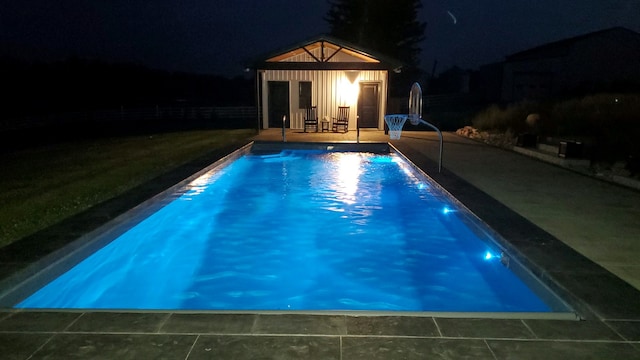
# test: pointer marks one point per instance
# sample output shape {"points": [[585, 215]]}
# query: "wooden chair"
{"points": [[311, 118], [342, 120]]}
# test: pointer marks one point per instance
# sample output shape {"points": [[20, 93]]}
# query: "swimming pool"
{"points": [[301, 230]]}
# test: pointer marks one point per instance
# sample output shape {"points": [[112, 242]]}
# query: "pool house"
{"points": [[325, 73]]}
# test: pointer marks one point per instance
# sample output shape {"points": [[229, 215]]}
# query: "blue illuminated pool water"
{"points": [[299, 230]]}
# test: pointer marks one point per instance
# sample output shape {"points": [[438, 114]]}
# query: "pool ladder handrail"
{"points": [[284, 124]]}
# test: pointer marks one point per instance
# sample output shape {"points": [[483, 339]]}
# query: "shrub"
{"points": [[512, 118], [610, 121]]}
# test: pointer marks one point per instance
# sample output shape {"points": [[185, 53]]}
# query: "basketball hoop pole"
{"points": [[441, 140]]}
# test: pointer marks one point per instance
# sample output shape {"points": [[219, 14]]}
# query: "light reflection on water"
{"points": [[347, 176]]}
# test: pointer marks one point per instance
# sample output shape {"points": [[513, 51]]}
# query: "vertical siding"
{"points": [[330, 89]]}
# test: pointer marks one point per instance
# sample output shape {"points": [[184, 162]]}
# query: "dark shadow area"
{"points": [[76, 99], [135, 122]]}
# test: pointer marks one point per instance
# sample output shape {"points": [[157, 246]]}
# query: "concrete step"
{"points": [[551, 149], [551, 156], [549, 153]]}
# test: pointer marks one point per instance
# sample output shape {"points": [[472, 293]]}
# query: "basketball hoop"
{"points": [[395, 124]]}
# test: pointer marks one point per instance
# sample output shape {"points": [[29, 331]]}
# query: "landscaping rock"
{"points": [[496, 139]]}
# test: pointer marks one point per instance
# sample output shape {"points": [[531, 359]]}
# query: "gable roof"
{"points": [[563, 47], [324, 52]]}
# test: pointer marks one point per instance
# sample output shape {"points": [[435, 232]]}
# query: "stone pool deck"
{"points": [[581, 235]]}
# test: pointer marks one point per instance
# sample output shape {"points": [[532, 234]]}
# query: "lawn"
{"points": [[44, 185]]}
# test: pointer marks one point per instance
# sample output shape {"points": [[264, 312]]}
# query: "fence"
{"points": [[213, 117], [451, 101], [435, 102], [447, 111]]}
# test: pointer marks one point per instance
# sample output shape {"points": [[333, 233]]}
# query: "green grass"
{"points": [[42, 186]]}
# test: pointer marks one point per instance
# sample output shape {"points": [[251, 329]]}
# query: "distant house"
{"points": [[325, 72], [605, 59]]}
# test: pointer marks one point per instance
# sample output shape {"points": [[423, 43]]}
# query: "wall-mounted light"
{"points": [[352, 75], [347, 92]]}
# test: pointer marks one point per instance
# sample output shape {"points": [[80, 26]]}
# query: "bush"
{"points": [[611, 121], [512, 118]]}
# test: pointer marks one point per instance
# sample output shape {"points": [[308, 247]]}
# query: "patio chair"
{"points": [[342, 120], [311, 118]]}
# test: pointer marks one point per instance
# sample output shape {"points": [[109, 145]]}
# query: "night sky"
{"points": [[218, 37]]}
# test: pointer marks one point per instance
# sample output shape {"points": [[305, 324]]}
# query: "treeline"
{"points": [[35, 88]]}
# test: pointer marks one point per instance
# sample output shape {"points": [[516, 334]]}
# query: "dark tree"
{"points": [[388, 27]]}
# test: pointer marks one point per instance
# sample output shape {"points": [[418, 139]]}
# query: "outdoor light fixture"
{"points": [[503, 258], [348, 91], [352, 75]]}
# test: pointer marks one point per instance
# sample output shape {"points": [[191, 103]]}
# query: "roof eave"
{"points": [[326, 66], [385, 63]]}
